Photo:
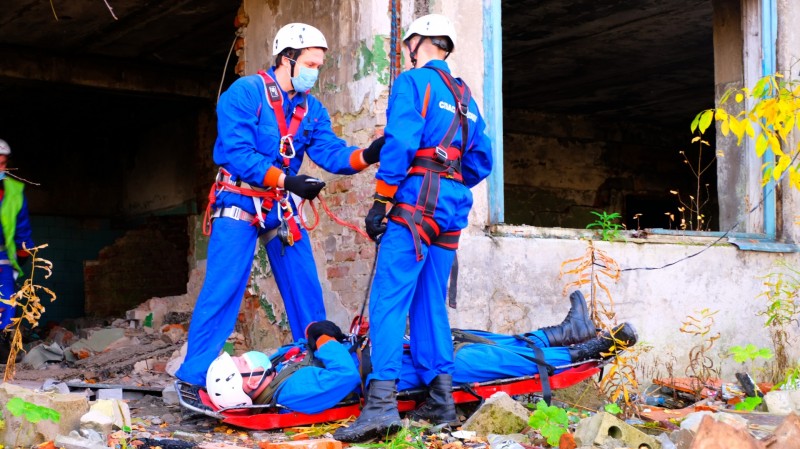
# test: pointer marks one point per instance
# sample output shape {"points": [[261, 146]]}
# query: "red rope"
{"points": [[330, 214]]}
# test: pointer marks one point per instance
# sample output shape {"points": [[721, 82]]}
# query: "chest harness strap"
{"points": [[264, 198], [434, 163]]}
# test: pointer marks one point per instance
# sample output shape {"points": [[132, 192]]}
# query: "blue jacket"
{"points": [[314, 389], [413, 123], [248, 138]]}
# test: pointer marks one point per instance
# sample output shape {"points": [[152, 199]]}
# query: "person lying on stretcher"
{"points": [[316, 380]]}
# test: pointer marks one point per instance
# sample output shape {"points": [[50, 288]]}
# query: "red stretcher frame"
{"points": [[264, 417]]}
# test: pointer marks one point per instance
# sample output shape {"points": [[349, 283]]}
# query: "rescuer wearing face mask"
{"points": [[267, 123]]}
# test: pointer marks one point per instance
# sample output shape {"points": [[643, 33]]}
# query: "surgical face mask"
{"points": [[305, 79]]}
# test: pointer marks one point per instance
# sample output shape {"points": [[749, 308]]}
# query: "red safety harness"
{"points": [[288, 230], [434, 163]]}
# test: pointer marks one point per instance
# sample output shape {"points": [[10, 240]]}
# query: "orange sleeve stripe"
{"points": [[383, 189], [272, 176], [355, 160], [426, 100], [324, 339]]}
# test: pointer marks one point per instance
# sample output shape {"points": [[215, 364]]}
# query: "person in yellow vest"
{"points": [[16, 233]]}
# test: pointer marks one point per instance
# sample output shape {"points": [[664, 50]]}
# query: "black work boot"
{"points": [[439, 408], [596, 347], [379, 416], [576, 327]]}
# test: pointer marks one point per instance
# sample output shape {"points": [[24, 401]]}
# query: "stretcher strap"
{"points": [[545, 369]]}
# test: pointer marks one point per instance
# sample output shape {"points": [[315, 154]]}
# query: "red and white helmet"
{"points": [[5, 150], [298, 35], [224, 383], [430, 26]]}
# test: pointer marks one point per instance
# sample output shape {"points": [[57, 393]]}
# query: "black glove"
{"points": [[374, 221], [303, 186], [320, 328], [372, 153]]}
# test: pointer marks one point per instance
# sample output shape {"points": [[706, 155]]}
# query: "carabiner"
{"points": [[287, 142]]}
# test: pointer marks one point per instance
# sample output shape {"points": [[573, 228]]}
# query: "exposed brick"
{"points": [[347, 255], [338, 271]]}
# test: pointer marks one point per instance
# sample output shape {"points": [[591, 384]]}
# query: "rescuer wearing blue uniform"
{"points": [[16, 232], [436, 150], [266, 124], [480, 357]]}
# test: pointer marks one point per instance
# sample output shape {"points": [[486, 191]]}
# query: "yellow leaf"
{"points": [[696, 139], [705, 120], [749, 129], [726, 127], [783, 163], [739, 98], [761, 145], [720, 114]]}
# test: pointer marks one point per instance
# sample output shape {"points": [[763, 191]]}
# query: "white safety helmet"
{"points": [[298, 35], [224, 383], [432, 25], [5, 150]]}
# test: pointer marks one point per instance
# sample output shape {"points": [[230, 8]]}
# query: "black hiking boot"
{"points": [[577, 327], [601, 346], [439, 408], [379, 417]]}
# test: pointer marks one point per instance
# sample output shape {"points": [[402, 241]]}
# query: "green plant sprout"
{"points": [[749, 403], [550, 421], [31, 413], [749, 352], [607, 226]]}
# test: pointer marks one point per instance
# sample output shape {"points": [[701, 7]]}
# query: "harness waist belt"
{"points": [[444, 162], [5, 262], [225, 177], [237, 213]]}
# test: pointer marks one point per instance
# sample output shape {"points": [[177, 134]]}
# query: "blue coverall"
{"points": [[403, 286], [247, 146], [7, 285], [314, 389]]}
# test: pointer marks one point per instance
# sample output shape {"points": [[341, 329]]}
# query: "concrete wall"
{"points": [[509, 275]]}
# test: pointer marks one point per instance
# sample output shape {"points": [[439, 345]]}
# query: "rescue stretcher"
{"points": [[269, 417]]}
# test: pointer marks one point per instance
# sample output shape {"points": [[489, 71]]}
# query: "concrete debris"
{"points": [[39, 356], [97, 421], [169, 395], [75, 441], [783, 402], [499, 414], [117, 410], [55, 386], [603, 426], [109, 393], [19, 432]]}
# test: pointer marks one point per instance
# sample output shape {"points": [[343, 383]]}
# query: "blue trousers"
{"points": [[230, 259], [404, 287], [478, 362], [7, 290]]}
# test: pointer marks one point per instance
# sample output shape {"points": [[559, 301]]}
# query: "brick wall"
{"points": [[145, 262]]}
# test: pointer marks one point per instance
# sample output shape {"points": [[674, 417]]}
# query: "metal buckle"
{"points": [[287, 142], [441, 154], [236, 212], [463, 110]]}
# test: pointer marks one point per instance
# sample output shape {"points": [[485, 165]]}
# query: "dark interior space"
{"points": [[598, 98], [109, 119]]}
